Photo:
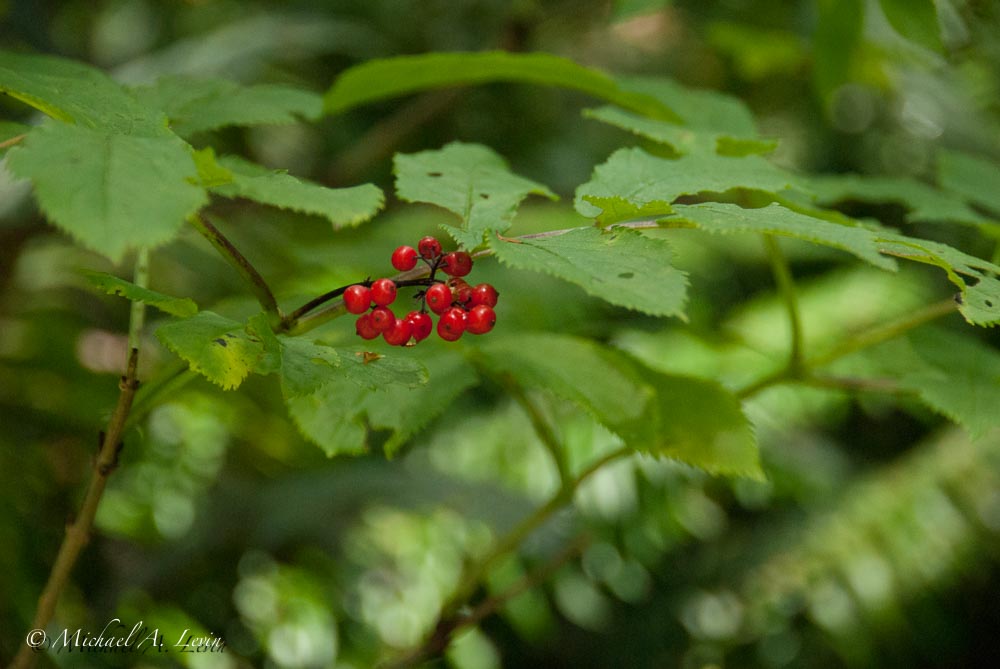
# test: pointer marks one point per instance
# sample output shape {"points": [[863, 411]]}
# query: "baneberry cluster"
{"points": [[460, 306]]}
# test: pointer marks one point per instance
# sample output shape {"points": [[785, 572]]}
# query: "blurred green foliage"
{"points": [[874, 539]]}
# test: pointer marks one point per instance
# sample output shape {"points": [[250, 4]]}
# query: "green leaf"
{"points": [[112, 192], [406, 410], [196, 105], [374, 371], [391, 77], [839, 27], [76, 93], [916, 20], [577, 370], [951, 372], [633, 184], [700, 423], [218, 348], [974, 178], [627, 9], [681, 138], [469, 180], [305, 365], [710, 121], [341, 206], [621, 266], [112, 285], [980, 298], [925, 203], [336, 417], [777, 220]]}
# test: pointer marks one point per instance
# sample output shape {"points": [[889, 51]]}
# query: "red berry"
{"points": [[399, 333], [420, 325], [357, 299], [451, 325], [438, 298], [382, 318], [461, 291], [429, 248], [383, 292], [486, 294], [481, 319], [457, 263], [365, 328], [404, 258]]}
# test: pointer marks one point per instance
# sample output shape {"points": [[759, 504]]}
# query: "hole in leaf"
{"points": [[434, 174], [221, 342], [484, 196], [989, 303], [626, 275]]}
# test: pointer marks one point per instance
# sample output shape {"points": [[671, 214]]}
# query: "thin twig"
{"points": [[78, 532], [11, 141], [239, 262], [786, 289], [446, 628], [542, 427]]}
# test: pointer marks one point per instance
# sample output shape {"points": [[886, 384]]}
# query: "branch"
{"points": [[78, 532], [450, 620], [867, 339], [239, 262], [16, 139]]}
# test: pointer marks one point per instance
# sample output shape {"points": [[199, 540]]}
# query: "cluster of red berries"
{"points": [[461, 307]]}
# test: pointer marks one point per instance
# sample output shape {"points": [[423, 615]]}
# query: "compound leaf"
{"points": [[196, 105], [111, 191], [391, 77], [75, 93], [972, 177], [632, 183], [341, 206], [621, 266], [569, 367], [979, 302], [916, 20], [702, 424], [711, 121], [952, 373], [336, 416], [305, 365], [469, 180], [112, 285], [220, 349], [777, 220]]}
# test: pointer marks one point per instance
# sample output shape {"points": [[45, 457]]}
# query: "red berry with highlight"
{"points": [[451, 325], [365, 328], [383, 292], [357, 299], [404, 258], [399, 333], [438, 298], [457, 263], [382, 318], [420, 325], [486, 294], [429, 248], [481, 319]]}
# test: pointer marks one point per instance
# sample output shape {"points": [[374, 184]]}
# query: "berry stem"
{"points": [[233, 256], [292, 320]]}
